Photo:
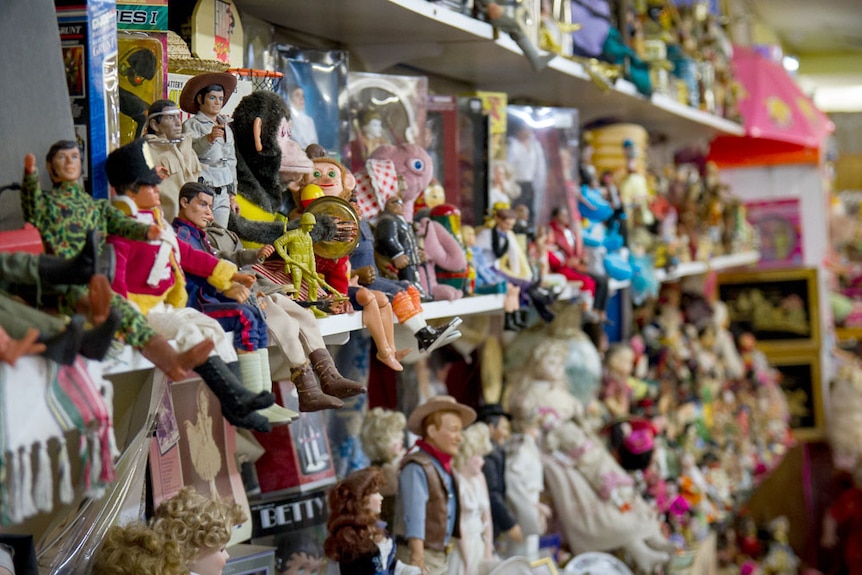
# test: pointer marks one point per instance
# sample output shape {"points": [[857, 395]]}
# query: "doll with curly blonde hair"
{"points": [[382, 437], [135, 549], [202, 527]]}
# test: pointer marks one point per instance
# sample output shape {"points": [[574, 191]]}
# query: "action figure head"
{"points": [[64, 161], [163, 119], [307, 222], [439, 422], [196, 204]]}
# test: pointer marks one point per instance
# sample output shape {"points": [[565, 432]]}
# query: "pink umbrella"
{"points": [[772, 105]]}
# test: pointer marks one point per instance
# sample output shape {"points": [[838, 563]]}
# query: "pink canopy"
{"points": [[772, 105]]}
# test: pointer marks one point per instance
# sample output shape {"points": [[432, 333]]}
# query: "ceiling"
{"points": [[826, 37]]}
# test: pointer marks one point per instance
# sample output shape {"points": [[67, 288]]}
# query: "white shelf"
{"points": [[339, 324], [696, 268], [438, 41], [335, 329]]}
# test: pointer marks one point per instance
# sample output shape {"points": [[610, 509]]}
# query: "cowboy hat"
{"points": [[197, 83], [435, 404]]}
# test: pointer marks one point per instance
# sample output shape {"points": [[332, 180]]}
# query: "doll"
{"points": [[443, 254], [152, 275], [616, 389], [489, 280], [525, 483], [201, 526], [203, 96], [172, 150], [395, 242], [494, 469], [135, 549], [780, 558], [357, 541], [541, 386], [64, 218], [476, 542], [382, 437], [428, 519], [594, 500]]}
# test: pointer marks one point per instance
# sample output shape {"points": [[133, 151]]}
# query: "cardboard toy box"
{"points": [[297, 458]]}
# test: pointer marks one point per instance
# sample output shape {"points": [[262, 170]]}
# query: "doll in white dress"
{"points": [[476, 543]]}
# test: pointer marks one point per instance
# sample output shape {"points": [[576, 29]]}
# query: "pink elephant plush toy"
{"points": [[441, 250]]}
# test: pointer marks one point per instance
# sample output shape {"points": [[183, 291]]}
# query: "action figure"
{"points": [[428, 516], [64, 218], [296, 248], [151, 274], [204, 96], [395, 241], [172, 150]]}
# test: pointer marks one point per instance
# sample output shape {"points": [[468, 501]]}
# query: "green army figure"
{"points": [[297, 249]]}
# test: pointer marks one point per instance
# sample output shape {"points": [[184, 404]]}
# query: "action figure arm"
{"points": [[31, 192], [119, 224], [386, 239], [219, 273]]}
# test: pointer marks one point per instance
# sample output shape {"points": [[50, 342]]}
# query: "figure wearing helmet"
{"points": [[297, 250]]}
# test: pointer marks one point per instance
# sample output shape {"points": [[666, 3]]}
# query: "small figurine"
{"points": [[494, 468], [296, 248], [780, 558], [204, 96], [356, 539], [172, 150], [525, 482], [428, 518], [201, 526], [616, 389], [476, 543]]}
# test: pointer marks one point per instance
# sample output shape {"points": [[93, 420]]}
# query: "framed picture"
{"points": [[779, 224], [779, 307], [543, 566], [800, 381]]}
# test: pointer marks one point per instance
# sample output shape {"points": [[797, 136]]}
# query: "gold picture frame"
{"points": [[800, 380], [779, 307]]}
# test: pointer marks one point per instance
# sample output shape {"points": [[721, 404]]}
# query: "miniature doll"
{"points": [[64, 217], [382, 437], [476, 542], [204, 96], [297, 250], [526, 156], [152, 276], [541, 384], [427, 519], [525, 483], [616, 390], [201, 526], [780, 558], [172, 150], [489, 280], [304, 131], [357, 540], [494, 469], [135, 549], [395, 241]]}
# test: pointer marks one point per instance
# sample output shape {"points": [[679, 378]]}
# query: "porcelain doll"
{"points": [[593, 499], [541, 385], [524, 486], [476, 543], [382, 437], [426, 520], [201, 526], [357, 541], [616, 388], [135, 549]]}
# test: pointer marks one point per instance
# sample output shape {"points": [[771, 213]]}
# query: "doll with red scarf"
{"points": [[428, 515]]}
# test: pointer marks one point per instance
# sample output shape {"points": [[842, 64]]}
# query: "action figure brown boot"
{"points": [[311, 397], [177, 366], [332, 382]]}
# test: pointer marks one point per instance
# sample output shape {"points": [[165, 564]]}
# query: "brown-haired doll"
{"points": [[357, 539]]}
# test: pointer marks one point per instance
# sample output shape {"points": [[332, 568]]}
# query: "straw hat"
{"points": [[201, 81], [439, 403], [181, 61]]}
